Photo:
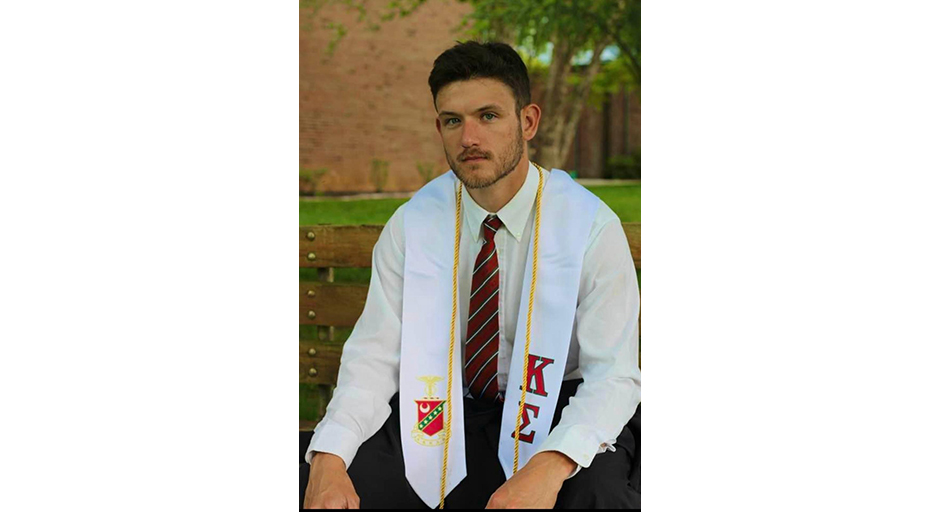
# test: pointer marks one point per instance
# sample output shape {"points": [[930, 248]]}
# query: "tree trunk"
{"points": [[577, 101], [562, 107], [551, 124]]}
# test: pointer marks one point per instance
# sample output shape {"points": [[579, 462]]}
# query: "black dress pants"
{"points": [[378, 470]]}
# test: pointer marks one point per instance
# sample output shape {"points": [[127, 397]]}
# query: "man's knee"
{"points": [[601, 485]]}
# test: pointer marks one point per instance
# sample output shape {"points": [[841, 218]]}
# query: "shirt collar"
{"points": [[513, 214]]}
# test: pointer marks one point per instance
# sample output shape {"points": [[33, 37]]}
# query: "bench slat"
{"points": [[338, 305], [351, 246], [325, 361], [632, 230], [337, 246]]}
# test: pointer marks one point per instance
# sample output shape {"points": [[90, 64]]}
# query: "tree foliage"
{"points": [[577, 33]]}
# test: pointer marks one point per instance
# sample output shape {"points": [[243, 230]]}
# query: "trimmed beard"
{"points": [[504, 165]]}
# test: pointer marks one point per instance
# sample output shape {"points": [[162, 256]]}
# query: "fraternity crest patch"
{"points": [[429, 430]]}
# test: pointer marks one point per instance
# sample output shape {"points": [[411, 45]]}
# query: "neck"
{"points": [[495, 196]]}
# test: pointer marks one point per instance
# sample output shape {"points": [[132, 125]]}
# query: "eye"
{"points": [[492, 116], [447, 122]]}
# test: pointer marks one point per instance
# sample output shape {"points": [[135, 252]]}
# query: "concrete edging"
{"points": [[587, 182]]}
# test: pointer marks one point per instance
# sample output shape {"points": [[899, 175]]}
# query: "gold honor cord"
{"points": [[450, 354], [528, 318], [453, 325]]}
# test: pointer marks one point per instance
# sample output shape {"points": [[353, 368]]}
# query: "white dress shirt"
{"points": [[603, 349]]}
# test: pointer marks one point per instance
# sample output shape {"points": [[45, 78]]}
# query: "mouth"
{"points": [[474, 159]]}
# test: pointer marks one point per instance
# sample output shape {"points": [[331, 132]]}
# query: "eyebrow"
{"points": [[481, 109]]}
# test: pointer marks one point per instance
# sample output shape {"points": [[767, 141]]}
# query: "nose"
{"points": [[469, 136]]}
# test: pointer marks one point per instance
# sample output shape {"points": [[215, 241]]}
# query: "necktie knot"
{"points": [[490, 226]]}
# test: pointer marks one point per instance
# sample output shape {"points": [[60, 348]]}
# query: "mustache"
{"points": [[473, 155]]}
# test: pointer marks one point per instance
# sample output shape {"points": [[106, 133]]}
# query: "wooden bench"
{"points": [[328, 305]]}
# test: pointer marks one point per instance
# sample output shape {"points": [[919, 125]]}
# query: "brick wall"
{"points": [[632, 123], [371, 99], [613, 129]]}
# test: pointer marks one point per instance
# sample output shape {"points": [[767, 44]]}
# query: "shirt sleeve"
{"points": [[606, 329], [369, 366]]}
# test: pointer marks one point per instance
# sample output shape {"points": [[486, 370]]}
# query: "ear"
{"points": [[530, 116], [437, 123]]}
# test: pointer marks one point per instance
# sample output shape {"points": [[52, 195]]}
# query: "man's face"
{"points": [[480, 130]]}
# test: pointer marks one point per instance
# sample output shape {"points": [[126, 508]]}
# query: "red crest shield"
{"points": [[430, 416]]}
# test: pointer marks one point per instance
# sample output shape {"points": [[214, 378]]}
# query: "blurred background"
{"points": [[367, 133], [366, 113]]}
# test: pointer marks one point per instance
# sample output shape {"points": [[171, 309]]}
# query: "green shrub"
{"points": [[310, 180], [426, 171], [379, 174], [623, 167]]}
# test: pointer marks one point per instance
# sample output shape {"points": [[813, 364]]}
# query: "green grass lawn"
{"points": [[624, 200]]}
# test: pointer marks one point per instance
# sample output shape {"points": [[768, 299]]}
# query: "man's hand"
{"points": [[329, 485], [536, 485]]}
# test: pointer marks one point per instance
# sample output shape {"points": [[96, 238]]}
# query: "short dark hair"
{"points": [[473, 59]]}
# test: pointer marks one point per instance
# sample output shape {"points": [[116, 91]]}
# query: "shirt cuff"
{"points": [[331, 437], [579, 443]]}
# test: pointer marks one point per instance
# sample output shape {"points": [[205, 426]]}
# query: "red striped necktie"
{"points": [[483, 323]]}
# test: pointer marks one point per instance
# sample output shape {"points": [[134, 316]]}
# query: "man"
{"points": [[456, 354]]}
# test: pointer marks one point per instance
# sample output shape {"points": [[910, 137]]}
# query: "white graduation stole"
{"points": [[568, 211]]}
